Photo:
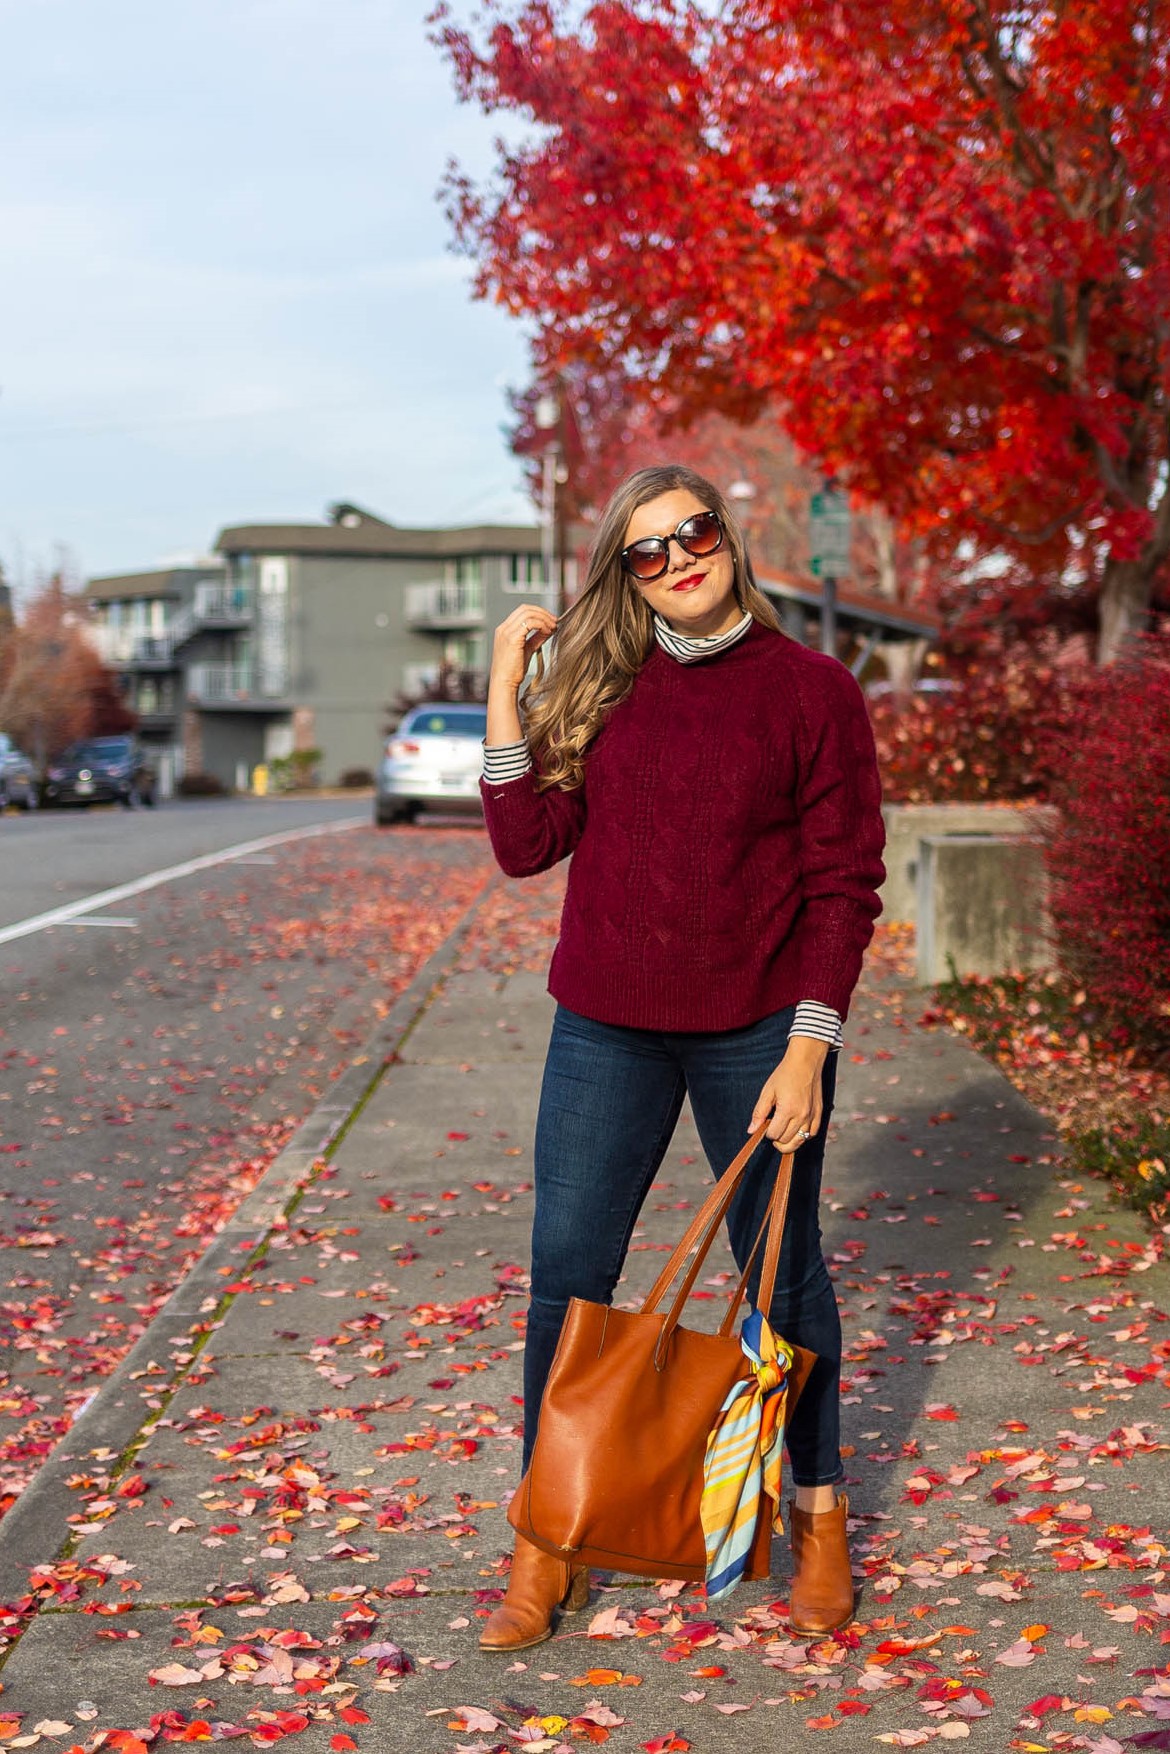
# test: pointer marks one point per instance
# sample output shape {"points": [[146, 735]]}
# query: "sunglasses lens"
{"points": [[702, 534], [646, 560]]}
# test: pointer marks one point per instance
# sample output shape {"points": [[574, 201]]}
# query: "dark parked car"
{"points": [[102, 770], [433, 761], [18, 779]]}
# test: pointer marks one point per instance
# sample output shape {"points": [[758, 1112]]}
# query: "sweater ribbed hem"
{"points": [[708, 1005]]}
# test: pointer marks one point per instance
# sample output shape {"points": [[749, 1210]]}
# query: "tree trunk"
{"points": [[1123, 610], [903, 661]]}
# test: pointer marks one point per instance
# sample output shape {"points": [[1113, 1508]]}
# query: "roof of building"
{"points": [[164, 581], [884, 615], [357, 532]]}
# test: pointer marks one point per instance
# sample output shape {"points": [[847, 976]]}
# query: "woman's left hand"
{"points": [[792, 1095]]}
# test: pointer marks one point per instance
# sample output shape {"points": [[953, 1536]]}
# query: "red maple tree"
{"points": [[934, 233], [603, 435], [54, 688]]}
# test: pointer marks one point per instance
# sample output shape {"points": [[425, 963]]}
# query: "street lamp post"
{"points": [[829, 532], [547, 415]]}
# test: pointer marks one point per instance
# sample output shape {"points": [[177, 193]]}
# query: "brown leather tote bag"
{"points": [[616, 1474]]}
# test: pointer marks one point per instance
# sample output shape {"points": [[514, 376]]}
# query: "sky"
{"points": [[228, 293]]}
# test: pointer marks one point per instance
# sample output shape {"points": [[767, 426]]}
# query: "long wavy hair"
{"points": [[603, 640]]}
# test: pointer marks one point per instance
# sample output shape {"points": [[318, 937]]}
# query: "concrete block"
{"points": [[982, 902], [907, 823]]}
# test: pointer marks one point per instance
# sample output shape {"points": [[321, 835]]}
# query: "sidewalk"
{"points": [[307, 1540]]}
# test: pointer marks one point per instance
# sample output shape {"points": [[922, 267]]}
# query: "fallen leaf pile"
{"points": [[346, 1529], [302, 961]]}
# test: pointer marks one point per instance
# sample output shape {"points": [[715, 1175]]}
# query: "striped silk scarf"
{"points": [[743, 1457]]}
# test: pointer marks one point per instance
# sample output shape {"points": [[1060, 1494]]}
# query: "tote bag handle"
{"points": [[702, 1231]]}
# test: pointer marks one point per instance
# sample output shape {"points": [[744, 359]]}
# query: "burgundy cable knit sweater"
{"points": [[726, 842]]}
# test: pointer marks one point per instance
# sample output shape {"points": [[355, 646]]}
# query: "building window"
{"points": [[525, 572], [468, 652], [242, 570]]}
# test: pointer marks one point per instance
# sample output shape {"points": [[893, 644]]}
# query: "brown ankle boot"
{"points": [[538, 1585], [822, 1584]]}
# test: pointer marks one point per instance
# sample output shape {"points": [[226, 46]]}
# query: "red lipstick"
{"points": [[692, 578]]}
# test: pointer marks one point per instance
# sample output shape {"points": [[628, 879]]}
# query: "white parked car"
{"points": [[432, 762]]}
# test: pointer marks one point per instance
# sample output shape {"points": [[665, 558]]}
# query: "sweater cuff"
{"points": [[505, 761], [819, 1021]]}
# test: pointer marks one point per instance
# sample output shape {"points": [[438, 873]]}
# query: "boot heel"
{"points": [[576, 1596]]}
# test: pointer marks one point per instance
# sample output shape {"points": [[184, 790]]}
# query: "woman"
{"points": [[717, 785]]}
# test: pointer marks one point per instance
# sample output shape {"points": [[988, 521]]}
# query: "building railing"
{"points": [[212, 682], [219, 684], [214, 605], [181, 626], [441, 605], [421, 680], [123, 645], [222, 602]]}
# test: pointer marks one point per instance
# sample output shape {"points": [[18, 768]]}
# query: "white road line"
{"points": [[60, 916], [105, 920]]}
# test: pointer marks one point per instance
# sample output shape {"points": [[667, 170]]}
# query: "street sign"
{"points": [[829, 527], [828, 532]]}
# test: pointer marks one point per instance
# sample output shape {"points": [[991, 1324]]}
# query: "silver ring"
{"points": [[803, 1134]]}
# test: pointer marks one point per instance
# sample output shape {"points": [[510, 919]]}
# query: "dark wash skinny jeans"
{"points": [[609, 1103]]}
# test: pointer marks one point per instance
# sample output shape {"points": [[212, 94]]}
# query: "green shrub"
{"points": [[1136, 1157]]}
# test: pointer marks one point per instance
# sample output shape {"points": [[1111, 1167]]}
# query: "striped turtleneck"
{"points": [[688, 649], [504, 762]]}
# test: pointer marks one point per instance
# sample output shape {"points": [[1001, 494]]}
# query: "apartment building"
{"points": [[301, 636]]}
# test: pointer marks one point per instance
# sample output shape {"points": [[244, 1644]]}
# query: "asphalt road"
{"points": [[156, 1052], [54, 856]]}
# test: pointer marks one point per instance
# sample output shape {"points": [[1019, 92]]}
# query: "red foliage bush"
{"points": [[1109, 854], [999, 737]]}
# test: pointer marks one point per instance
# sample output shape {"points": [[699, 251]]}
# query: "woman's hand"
{"points": [[516, 639], [792, 1095]]}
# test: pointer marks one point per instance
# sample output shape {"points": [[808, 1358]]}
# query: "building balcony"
{"points": [[420, 681], [158, 718], [223, 605], [235, 687], [444, 608], [125, 649], [153, 652], [214, 607]]}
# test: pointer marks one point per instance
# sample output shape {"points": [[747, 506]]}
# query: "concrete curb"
{"points": [[36, 1529]]}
